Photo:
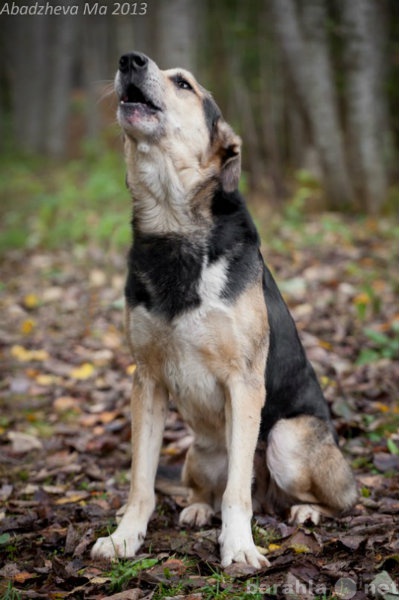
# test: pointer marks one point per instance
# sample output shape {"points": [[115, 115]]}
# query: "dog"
{"points": [[208, 327]]}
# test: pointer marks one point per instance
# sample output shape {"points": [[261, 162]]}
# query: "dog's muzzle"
{"points": [[134, 81]]}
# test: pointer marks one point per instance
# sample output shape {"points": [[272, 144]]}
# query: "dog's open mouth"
{"points": [[134, 96]]}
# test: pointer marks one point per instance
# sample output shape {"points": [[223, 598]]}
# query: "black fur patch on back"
{"points": [[163, 274], [234, 235], [292, 387]]}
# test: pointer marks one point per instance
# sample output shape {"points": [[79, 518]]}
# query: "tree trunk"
{"points": [[59, 69], [178, 31], [18, 37], [248, 125], [271, 104], [311, 74], [95, 56], [364, 100], [38, 57]]}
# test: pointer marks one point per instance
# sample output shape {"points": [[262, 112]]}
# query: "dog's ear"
{"points": [[230, 150]]}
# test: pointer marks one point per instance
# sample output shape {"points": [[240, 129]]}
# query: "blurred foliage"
{"points": [[49, 204], [381, 345]]}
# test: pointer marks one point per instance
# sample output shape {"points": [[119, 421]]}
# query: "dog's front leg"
{"points": [[148, 407], [244, 402]]}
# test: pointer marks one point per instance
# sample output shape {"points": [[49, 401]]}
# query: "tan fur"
{"points": [[170, 179], [211, 359], [304, 467]]}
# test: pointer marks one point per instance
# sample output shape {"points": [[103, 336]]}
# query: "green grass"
{"points": [[48, 204], [382, 345], [124, 570], [53, 205], [10, 593]]}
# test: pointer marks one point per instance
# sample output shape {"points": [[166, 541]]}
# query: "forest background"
{"points": [[310, 85], [312, 88]]}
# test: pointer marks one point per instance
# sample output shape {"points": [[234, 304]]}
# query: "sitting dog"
{"points": [[208, 327]]}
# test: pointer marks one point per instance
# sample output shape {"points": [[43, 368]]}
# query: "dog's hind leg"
{"points": [[149, 405], [205, 473], [306, 465]]}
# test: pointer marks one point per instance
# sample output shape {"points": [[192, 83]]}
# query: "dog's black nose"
{"points": [[134, 61]]}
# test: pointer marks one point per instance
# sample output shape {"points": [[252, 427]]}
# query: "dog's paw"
{"points": [[247, 555], [116, 546], [196, 515], [234, 548], [300, 513]]}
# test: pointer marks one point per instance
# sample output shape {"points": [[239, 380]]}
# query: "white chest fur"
{"points": [[175, 352]]}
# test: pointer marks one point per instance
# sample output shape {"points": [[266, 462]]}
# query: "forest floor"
{"points": [[65, 427]]}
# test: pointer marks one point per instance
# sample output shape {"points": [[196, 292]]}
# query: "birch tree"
{"points": [[179, 28], [364, 101], [305, 49]]}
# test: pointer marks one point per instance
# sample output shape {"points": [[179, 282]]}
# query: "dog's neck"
{"points": [[166, 191]]}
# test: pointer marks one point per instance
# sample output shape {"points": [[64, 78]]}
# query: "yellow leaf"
{"points": [[31, 301], [83, 372], [384, 408], [274, 547], [130, 369], [300, 548], [171, 451], [45, 379], [24, 355], [19, 352], [39, 355], [325, 381], [325, 345], [27, 326]]}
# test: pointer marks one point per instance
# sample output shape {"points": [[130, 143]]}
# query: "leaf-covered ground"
{"points": [[64, 427]]}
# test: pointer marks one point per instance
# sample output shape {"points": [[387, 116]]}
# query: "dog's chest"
{"points": [[179, 353]]}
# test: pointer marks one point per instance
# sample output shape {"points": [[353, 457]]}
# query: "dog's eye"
{"points": [[182, 83]]}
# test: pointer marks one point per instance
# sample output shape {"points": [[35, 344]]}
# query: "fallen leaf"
{"points": [[85, 371], [97, 278], [23, 442], [22, 576], [64, 403], [24, 355], [301, 542], [31, 301], [52, 294], [108, 416], [386, 462], [46, 380], [28, 326], [274, 547], [5, 491], [73, 498]]}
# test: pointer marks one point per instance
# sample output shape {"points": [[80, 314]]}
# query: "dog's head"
{"points": [[170, 110]]}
